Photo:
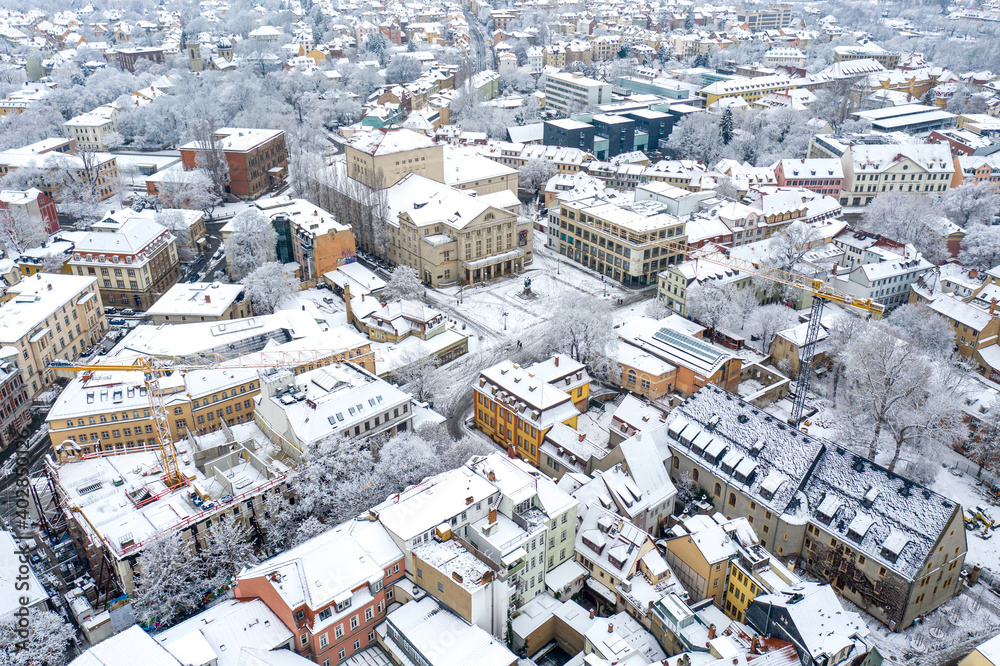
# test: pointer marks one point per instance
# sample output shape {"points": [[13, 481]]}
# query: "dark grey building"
{"points": [[567, 133]]}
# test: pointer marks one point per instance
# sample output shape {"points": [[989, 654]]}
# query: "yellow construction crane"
{"points": [[820, 291], [154, 369]]}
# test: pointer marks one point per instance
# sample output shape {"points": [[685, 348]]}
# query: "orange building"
{"points": [[257, 160], [516, 407], [316, 241]]}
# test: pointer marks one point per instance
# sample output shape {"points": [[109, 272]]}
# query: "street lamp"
{"points": [[504, 315], [558, 263], [605, 285]]}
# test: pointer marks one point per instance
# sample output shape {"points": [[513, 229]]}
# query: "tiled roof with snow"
{"points": [[754, 441], [387, 142], [876, 507]]}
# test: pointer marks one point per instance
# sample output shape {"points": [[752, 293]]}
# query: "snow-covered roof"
{"points": [[307, 575], [510, 383], [206, 299], [123, 648], [873, 504], [15, 583], [389, 141], [238, 139], [751, 435], [426, 202], [220, 633], [821, 622], [423, 625], [433, 501], [956, 310], [35, 299]]}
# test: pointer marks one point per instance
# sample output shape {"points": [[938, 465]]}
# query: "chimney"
{"points": [[591, 613], [557, 360], [347, 300], [993, 304], [491, 476], [611, 628], [754, 643], [208, 299], [973, 273], [835, 268], [582, 436], [711, 631], [493, 516]]}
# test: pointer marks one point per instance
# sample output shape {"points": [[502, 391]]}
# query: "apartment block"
{"points": [[51, 316], [624, 242], [887, 544], [134, 262], [567, 93], [870, 170], [516, 408], [336, 617], [257, 160]]}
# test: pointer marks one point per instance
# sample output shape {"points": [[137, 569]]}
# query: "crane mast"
{"points": [[821, 293]]}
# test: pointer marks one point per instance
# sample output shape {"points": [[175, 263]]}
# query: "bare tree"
{"points": [[211, 157], [20, 230], [581, 327]]}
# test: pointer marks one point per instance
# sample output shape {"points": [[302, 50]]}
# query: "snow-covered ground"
{"points": [[483, 305]]}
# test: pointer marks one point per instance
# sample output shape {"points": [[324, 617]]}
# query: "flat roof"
{"points": [[36, 298], [206, 299]]}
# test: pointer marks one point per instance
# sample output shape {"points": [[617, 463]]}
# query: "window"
{"points": [[354, 622]]}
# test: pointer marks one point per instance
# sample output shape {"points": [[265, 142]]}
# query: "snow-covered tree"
{"points": [[196, 192], [252, 244], [210, 156], [789, 246], [726, 188], [769, 320], [54, 262], [708, 303], [535, 174], [39, 639], [581, 326], [402, 69], [908, 218], [697, 137], [20, 230], [924, 328], [981, 247], [971, 203], [230, 549], [656, 309], [404, 285], [885, 375], [174, 220], [727, 126], [170, 581], [267, 285]]}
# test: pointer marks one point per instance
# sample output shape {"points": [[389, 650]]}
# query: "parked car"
{"points": [[110, 310], [116, 322], [328, 300], [128, 312], [218, 254]]}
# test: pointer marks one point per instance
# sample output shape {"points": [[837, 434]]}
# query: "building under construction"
{"points": [[114, 505]]}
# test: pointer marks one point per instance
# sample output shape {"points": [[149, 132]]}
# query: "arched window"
{"points": [[718, 490], [694, 475], [631, 376], [732, 499]]}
